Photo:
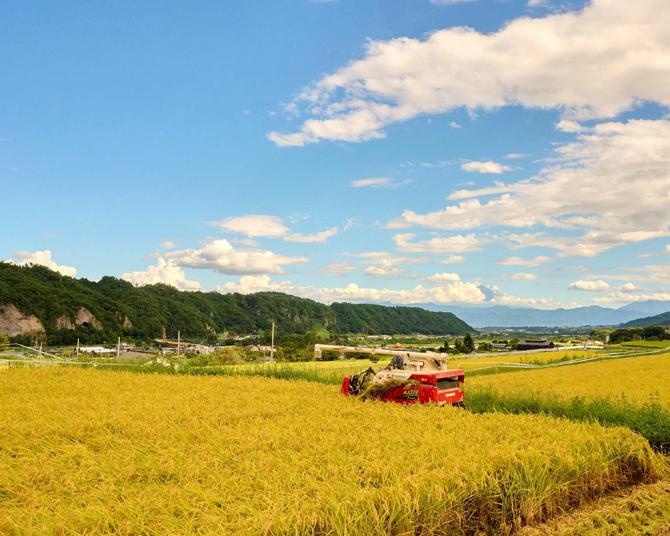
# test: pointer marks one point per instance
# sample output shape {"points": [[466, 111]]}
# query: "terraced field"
{"points": [[95, 452]]}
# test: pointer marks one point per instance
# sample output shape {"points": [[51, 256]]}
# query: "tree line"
{"points": [[152, 311]]}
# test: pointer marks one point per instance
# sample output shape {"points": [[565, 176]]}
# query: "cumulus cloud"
{"points": [[254, 225], [620, 297], [591, 286], [453, 292], [385, 264], [628, 287], [379, 182], [168, 244], [518, 261], [667, 248], [450, 2], [262, 225], [43, 257], [384, 270], [250, 284], [376, 182], [567, 125], [339, 269], [443, 244], [484, 167], [220, 255], [585, 193], [444, 277], [453, 259], [521, 276], [593, 63], [312, 238], [164, 271]]}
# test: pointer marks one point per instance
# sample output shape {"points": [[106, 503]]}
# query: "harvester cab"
{"points": [[409, 379]]}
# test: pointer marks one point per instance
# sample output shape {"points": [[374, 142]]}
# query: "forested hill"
{"points": [[34, 298], [658, 320]]}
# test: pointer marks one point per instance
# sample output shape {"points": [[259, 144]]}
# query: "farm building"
{"points": [[534, 344]]}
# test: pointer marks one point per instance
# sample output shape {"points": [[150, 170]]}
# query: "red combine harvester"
{"points": [[419, 380]]}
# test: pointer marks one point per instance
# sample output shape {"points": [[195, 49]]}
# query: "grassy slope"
{"points": [[110, 452]]}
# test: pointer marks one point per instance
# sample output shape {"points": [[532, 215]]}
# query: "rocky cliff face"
{"points": [[13, 322], [83, 317]]}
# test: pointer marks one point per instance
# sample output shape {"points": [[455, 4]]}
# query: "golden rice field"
{"points": [[639, 379], [477, 362], [102, 452]]}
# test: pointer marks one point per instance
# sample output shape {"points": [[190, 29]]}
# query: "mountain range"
{"points": [[517, 317]]}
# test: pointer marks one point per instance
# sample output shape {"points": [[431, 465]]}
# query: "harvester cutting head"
{"points": [[419, 380]]}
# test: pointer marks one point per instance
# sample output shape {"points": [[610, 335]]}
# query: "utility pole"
{"points": [[178, 341], [77, 346], [118, 347], [272, 343]]}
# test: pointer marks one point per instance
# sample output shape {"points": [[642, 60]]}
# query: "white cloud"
{"points": [[250, 284], [254, 225], [628, 287], [667, 248], [384, 270], [450, 2], [312, 238], [445, 292], [457, 292], [220, 255], [519, 301], [376, 182], [518, 261], [385, 264], [453, 259], [567, 125], [521, 276], [484, 167], [586, 190], [339, 269], [261, 225], [379, 182], [625, 297], [164, 271], [454, 124], [453, 292], [43, 258], [443, 244], [167, 244], [593, 63], [444, 277], [516, 156], [591, 286]]}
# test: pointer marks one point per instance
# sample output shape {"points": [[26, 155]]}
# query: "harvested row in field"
{"points": [[86, 451], [642, 510]]}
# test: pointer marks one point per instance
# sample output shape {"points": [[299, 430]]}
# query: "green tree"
{"points": [[4, 339], [468, 344]]}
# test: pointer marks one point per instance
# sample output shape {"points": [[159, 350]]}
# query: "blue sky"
{"points": [[396, 151]]}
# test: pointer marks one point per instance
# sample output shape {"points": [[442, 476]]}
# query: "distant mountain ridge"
{"points": [[36, 300], [513, 317]]}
